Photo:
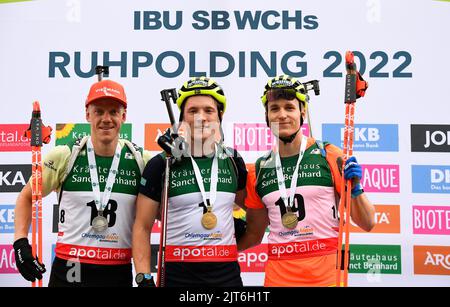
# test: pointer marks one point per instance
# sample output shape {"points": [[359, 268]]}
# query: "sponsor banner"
{"points": [[432, 260], [156, 226], [208, 253], [431, 220], [375, 259], [253, 137], [13, 177], [367, 137], [152, 133], [254, 259], [12, 137], [381, 178], [430, 138], [430, 178], [94, 255], [7, 259], [256, 136], [303, 249], [387, 219], [66, 133], [7, 218]]}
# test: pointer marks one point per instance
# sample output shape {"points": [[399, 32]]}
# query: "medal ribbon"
{"points": [[94, 176], [214, 179], [281, 183]]}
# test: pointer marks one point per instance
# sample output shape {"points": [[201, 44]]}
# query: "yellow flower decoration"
{"points": [[63, 130], [238, 212]]}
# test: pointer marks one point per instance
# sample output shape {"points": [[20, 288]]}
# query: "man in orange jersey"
{"points": [[296, 190]]}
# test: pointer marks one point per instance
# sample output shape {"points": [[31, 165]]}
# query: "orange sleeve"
{"points": [[333, 153], [252, 200]]}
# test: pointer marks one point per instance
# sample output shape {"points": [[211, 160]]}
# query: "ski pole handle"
{"points": [[36, 125], [313, 85], [100, 71], [166, 95], [350, 78], [355, 85]]}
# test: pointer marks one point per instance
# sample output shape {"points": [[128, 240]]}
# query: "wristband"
{"points": [[357, 190]]}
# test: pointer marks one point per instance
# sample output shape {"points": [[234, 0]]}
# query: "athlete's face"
{"points": [[286, 113], [106, 116], [202, 119]]}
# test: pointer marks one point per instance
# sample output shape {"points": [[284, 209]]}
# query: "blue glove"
{"points": [[353, 171]]}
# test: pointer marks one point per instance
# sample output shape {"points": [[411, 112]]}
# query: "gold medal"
{"points": [[209, 220], [289, 220]]}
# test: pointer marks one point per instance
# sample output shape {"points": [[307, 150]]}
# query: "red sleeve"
{"points": [[252, 200]]}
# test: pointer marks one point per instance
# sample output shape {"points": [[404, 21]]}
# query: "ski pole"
{"points": [[355, 88], [38, 133], [166, 96], [100, 71]]}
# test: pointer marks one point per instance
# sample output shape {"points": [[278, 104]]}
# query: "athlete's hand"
{"points": [[28, 266], [352, 170], [173, 143], [165, 141]]}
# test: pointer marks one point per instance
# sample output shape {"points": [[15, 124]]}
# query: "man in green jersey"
{"points": [[204, 184], [96, 179]]}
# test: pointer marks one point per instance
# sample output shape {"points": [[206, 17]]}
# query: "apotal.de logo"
{"points": [[12, 137], [432, 260], [254, 259]]}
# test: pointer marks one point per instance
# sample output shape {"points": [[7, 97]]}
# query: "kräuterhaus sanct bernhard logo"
{"points": [[430, 179], [430, 138], [375, 259], [66, 133], [367, 137]]}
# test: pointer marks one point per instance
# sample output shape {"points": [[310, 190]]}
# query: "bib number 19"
{"points": [[297, 207]]}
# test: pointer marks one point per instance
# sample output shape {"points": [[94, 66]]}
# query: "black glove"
{"points": [[145, 280], [173, 144], [240, 227], [165, 141], [28, 266]]}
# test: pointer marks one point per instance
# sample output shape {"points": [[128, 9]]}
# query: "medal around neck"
{"points": [[209, 220], [100, 223], [289, 220]]}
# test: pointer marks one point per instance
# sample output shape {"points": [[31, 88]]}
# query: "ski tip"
{"points": [[36, 106], [349, 58]]}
